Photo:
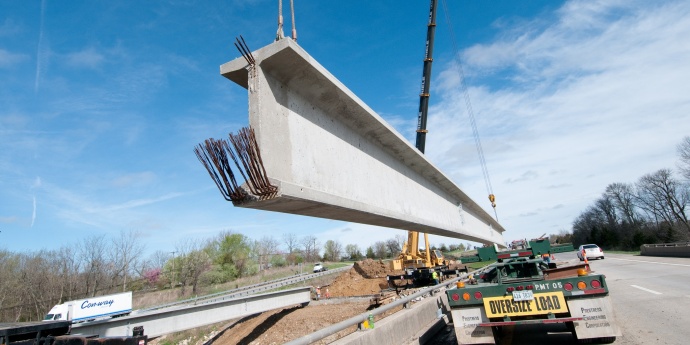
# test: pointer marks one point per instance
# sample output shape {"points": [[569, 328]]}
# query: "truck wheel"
{"points": [[571, 327], [496, 330]]}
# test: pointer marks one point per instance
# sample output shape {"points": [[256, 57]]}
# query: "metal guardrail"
{"points": [[355, 320], [246, 290]]}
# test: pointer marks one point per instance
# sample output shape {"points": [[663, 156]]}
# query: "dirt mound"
{"points": [[366, 277], [371, 268], [281, 326]]}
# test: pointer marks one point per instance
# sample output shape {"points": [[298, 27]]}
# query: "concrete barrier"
{"points": [[404, 326], [678, 249]]}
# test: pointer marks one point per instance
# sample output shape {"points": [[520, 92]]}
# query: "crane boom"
{"points": [[420, 142], [421, 264]]}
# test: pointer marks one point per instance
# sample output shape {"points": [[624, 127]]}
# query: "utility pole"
{"points": [[172, 281]]}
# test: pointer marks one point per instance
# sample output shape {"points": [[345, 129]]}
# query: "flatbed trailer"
{"points": [[57, 333], [526, 290]]}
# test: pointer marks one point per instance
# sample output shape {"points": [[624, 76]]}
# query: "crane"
{"points": [[420, 264]]}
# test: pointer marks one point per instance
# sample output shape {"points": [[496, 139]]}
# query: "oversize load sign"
{"points": [[543, 303]]}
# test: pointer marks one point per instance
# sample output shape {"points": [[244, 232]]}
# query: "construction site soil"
{"points": [[364, 279]]}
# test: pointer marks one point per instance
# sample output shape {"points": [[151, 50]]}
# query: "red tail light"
{"points": [[568, 287], [510, 289], [595, 284], [478, 295], [520, 288], [530, 287]]}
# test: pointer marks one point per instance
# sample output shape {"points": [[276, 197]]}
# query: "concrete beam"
{"points": [[333, 157], [179, 319]]}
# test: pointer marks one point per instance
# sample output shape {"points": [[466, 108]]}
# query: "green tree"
{"points": [[370, 252], [353, 252], [332, 250], [232, 252]]}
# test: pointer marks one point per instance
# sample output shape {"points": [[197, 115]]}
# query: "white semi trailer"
{"points": [[92, 308]]}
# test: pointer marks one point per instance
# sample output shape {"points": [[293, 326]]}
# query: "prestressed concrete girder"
{"points": [[331, 156], [171, 320]]}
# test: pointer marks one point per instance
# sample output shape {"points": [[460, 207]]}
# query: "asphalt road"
{"points": [[651, 299]]}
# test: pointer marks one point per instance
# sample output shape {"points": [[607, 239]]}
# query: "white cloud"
{"points": [[9, 59], [87, 58], [134, 179], [567, 108]]}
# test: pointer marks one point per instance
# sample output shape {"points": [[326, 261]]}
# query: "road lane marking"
{"points": [[650, 262], [645, 289]]}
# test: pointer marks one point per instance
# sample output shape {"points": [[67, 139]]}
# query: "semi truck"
{"points": [[521, 289], [58, 333], [92, 308]]}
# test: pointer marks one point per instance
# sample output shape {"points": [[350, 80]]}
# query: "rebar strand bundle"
{"points": [[245, 153]]}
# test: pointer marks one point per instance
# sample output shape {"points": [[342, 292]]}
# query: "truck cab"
{"points": [[58, 312]]}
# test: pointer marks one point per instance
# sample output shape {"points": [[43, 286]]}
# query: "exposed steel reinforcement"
{"points": [[244, 152]]}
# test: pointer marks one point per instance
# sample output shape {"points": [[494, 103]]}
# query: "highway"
{"points": [[651, 298]]}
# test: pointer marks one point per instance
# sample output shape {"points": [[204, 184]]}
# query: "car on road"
{"points": [[319, 267], [591, 251]]}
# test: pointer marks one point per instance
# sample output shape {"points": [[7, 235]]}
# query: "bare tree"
{"points": [[291, 242], [9, 285], [125, 251], [380, 249], [393, 246], [92, 257], [401, 240], [311, 248], [68, 268], [623, 197], [664, 197], [265, 248], [606, 205], [684, 155]]}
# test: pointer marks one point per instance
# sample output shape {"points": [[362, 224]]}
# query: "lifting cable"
{"points": [[470, 112], [279, 33]]}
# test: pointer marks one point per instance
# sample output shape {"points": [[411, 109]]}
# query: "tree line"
{"points": [[32, 282], [651, 210]]}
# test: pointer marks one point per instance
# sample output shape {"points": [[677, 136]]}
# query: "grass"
{"points": [[478, 265], [334, 265], [460, 253], [630, 252]]}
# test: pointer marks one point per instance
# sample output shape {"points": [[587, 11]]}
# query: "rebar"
{"points": [[245, 153], [242, 46]]}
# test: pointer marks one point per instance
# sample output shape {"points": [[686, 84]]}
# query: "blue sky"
{"points": [[102, 103]]}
